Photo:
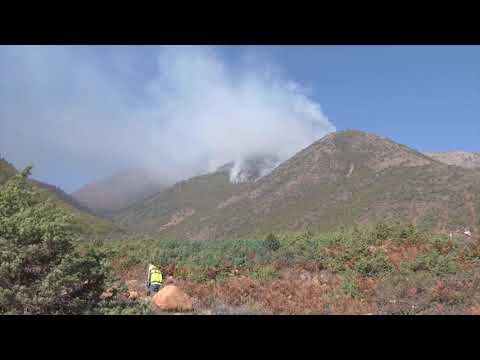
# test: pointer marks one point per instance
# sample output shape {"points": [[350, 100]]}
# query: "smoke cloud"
{"points": [[81, 113]]}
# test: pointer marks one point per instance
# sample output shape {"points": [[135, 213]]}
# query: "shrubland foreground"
{"points": [[45, 268], [378, 269], [42, 268]]}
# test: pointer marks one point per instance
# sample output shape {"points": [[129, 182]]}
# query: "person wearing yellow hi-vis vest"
{"points": [[154, 279]]}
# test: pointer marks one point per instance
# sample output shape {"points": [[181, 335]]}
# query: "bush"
{"points": [[124, 308], [382, 231], [373, 265], [41, 272], [433, 262], [271, 242], [407, 232], [349, 286]]}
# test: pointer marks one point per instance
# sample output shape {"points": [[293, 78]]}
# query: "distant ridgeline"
{"points": [[85, 220], [344, 178]]}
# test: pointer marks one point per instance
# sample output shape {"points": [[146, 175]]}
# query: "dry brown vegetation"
{"points": [[375, 270]]}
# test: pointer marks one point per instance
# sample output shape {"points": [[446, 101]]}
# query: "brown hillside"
{"points": [[343, 178], [458, 158]]}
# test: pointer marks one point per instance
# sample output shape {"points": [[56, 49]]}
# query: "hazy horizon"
{"points": [[82, 113]]}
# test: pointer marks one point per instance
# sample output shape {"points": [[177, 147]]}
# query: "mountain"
{"points": [[117, 192], [251, 169], [182, 204], [463, 159], [84, 219], [343, 178], [63, 196]]}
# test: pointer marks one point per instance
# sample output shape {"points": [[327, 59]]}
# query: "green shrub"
{"points": [[373, 265], [382, 231], [123, 308], [349, 286], [434, 262], [333, 263], [41, 272], [407, 232], [271, 242], [442, 244]]}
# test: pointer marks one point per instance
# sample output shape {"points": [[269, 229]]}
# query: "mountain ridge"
{"points": [[346, 177], [84, 219], [468, 160], [117, 192]]}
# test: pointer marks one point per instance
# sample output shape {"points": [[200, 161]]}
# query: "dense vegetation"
{"points": [[382, 268], [47, 267], [42, 271]]}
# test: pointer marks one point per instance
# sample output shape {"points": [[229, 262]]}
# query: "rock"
{"points": [[107, 294], [133, 295], [172, 298]]}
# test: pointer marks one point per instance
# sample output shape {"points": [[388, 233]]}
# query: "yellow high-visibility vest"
{"points": [[156, 277]]}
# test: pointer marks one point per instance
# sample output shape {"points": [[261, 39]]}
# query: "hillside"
{"points": [[63, 196], [117, 192], [84, 219], [458, 158], [369, 269], [343, 178], [182, 205]]}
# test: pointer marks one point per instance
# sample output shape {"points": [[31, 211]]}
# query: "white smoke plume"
{"points": [[178, 111]]}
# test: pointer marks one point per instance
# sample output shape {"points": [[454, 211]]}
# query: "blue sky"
{"points": [[427, 97], [81, 113]]}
